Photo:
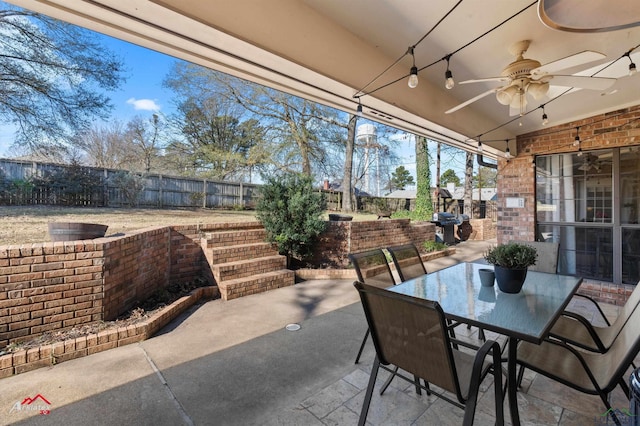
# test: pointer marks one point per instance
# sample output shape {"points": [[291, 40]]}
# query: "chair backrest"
{"points": [[547, 256], [623, 316], [411, 334], [609, 368], [372, 267], [408, 261]]}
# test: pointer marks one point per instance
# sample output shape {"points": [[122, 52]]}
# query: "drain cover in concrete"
{"points": [[292, 327]]}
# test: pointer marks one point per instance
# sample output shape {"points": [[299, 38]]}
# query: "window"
{"points": [[590, 204]]}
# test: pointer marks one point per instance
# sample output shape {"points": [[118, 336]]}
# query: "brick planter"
{"points": [[55, 353]]}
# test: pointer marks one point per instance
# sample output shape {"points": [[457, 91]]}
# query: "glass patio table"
{"points": [[527, 315]]}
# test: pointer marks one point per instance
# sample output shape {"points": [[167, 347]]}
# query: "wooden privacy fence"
{"points": [[32, 182]]}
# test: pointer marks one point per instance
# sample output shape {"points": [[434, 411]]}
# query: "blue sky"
{"points": [[143, 93]]}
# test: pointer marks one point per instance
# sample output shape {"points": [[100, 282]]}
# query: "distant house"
{"points": [[337, 187], [457, 193]]}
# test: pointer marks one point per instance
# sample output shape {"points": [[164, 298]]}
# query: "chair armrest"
{"points": [[478, 373], [588, 326], [572, 351], [596, 305]]}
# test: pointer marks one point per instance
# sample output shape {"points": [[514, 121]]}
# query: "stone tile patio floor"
{"points": [[541, 401]]}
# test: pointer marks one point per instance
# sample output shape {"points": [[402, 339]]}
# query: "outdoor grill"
{"points": [[446, 222]]}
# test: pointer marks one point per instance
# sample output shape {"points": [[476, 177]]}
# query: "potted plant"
{"points": [[511, 261]]}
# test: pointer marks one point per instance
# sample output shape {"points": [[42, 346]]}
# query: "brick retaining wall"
{"points": [[341, 238], [58, 285]]}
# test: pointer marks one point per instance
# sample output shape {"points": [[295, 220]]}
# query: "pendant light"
{"points": [[448, 76], [413, 74]]}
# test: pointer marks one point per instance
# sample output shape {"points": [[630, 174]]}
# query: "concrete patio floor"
{"points": [[233, 363]]}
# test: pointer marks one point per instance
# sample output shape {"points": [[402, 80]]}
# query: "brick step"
{"points": [[245, 268], [233, 238], [217, 255], [225, 226], [258, 283]]}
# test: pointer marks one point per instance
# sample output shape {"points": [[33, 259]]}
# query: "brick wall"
{"points": [[341, 238], [134, 267], [482, 229], [55, 286], [516, 178]]}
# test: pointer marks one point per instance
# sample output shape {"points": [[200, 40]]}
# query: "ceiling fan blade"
{"points": [[582, 82], [483, 80], [568, 62], [472, 100]]}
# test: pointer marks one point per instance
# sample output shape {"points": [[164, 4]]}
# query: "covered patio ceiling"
{"points": [[331, 51]]}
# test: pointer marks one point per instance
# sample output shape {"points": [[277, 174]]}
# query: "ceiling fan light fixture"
{"points": [[506, 96], [519, 100], [538, 90]]}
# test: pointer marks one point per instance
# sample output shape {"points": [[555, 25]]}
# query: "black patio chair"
{"points": [[408, 261], [411, 334]]}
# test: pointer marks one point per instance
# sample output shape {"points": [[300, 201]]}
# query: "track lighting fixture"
{"points": [[480, 146], [359, 109], [632, 65], [448, 76], [576, 141], [413, 74], [507, 153], [545, 118]]}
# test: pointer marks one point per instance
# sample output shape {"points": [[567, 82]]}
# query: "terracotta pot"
{"points": [[72, 231], [510, 280]]}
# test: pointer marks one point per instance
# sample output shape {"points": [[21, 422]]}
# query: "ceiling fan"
{"points": [[590, 162], [526, 76]]}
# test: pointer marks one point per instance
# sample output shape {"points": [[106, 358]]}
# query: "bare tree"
{"points": [[145, 137], [347, 191], [218, 139], [468, 184], [105, 145], [51, 78]]}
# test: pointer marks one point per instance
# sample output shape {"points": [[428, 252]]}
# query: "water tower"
{"points": [[367, 138]]}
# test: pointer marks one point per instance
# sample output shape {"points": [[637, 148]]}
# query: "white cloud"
{"points": [[144, 104]]}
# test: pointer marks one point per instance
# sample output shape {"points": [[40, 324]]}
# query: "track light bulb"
{"points": [[507, 153], [413, 77], [449, 83], [632, 68], [480, 149], [576, 141], [359, 110], [545, 119]]}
